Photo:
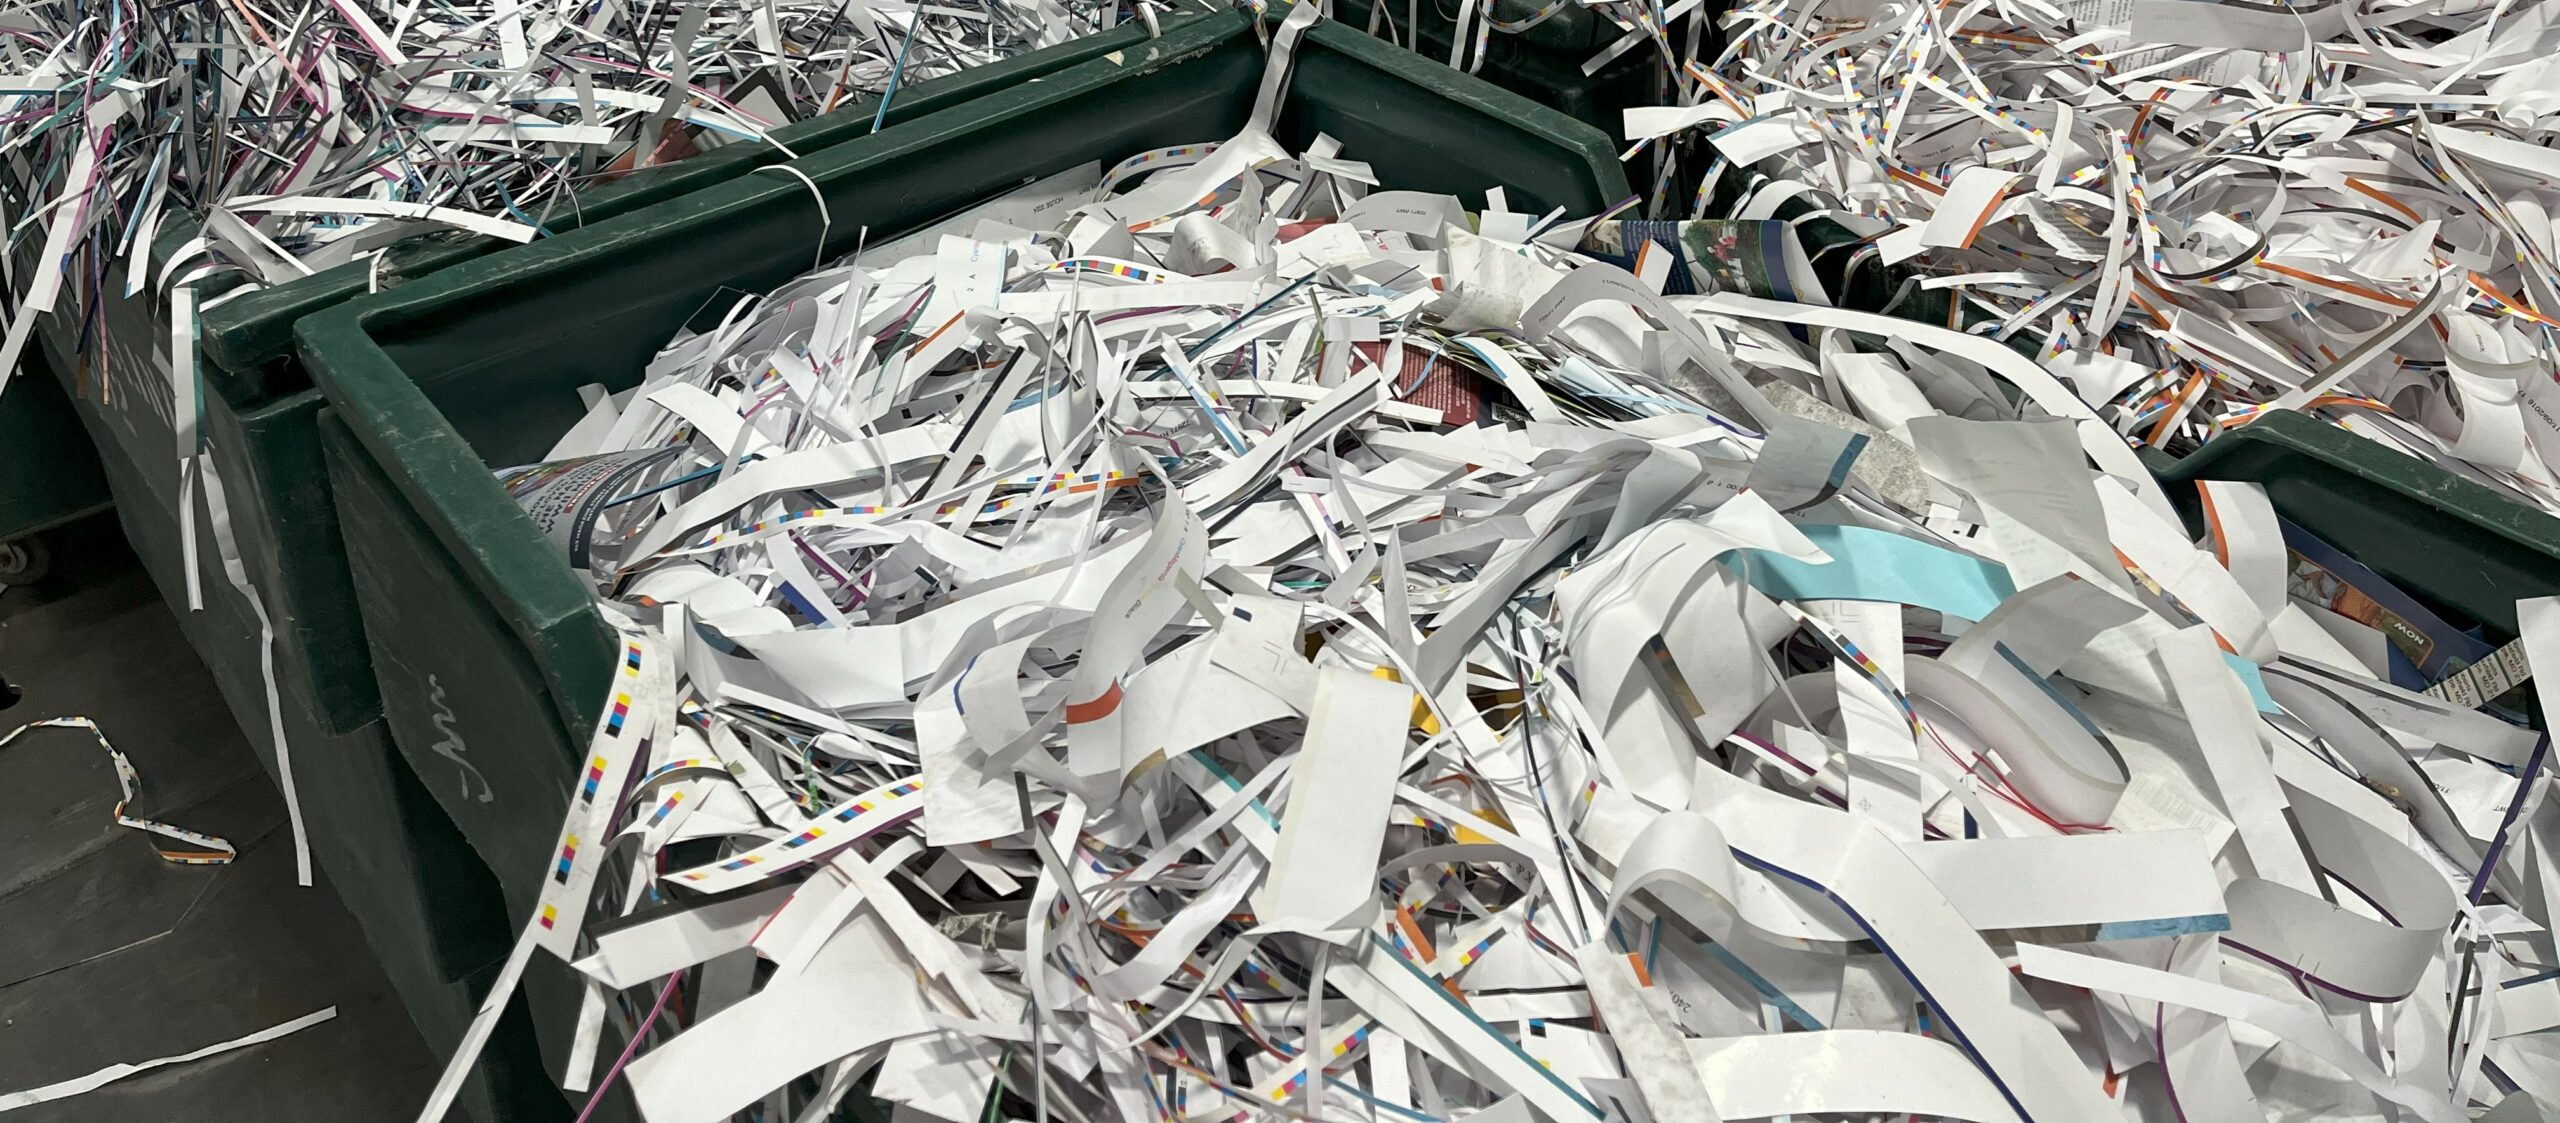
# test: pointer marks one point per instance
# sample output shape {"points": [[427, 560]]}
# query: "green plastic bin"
{"points": [[474, 369], [1543, 64], [511, 656], [2462, 549], [49, 474], [2466, 551]]}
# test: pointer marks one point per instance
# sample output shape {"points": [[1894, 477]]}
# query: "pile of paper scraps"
{"points": [[304, 134], [1268, 648], [2194, 212]]}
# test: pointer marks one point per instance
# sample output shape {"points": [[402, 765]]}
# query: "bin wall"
{"points": [[2461, 547], [49, 471], [1543, 64], [487, 743], [270, 468], [475, 723]]}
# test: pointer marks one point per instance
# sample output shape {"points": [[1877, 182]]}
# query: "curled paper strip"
{"points": [[202, 850], [10, 1101]]}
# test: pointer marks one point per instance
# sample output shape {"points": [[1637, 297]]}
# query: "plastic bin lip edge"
{"points": [[2335, 450], [417, 450], [494, 274], [547, 638], [240, 335], [1518, 111], [342, 345]]}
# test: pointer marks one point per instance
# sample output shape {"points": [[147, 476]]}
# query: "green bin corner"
{"points": [[2460, 548], [481, 637], [1543, 64], [49, 473]]}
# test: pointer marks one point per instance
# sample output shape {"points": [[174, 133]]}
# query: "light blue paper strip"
{"points": [[1879, 565], [2166, 926]]}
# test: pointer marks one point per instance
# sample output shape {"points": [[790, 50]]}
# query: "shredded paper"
{"points": [[304, 134], [2194, 212], [1213, 638]]}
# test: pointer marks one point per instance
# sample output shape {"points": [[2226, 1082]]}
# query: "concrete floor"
{"points": [[107, 953]]}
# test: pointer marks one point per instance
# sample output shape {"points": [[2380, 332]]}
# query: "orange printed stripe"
{"points": [[2144, 117], [1979, 220], [2149, 307], [1915, 179], [1715, 87], [2213, 523], [1413, 934], [2510, 303], [927, 341], [2384, 197], [2177, 406], [2166, 297], [2330, 283], [256, 27], [1079, 713]]}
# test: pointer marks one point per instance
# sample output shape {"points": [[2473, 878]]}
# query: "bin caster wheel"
{"points": [[24, 560]]}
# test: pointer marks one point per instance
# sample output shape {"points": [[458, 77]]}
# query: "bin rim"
{"points": [[2467, 500]]}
